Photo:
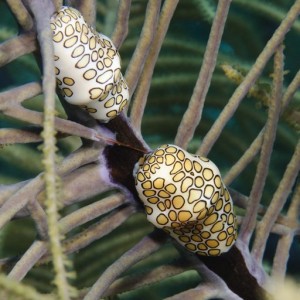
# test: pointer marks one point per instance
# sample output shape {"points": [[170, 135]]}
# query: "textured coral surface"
{"points": [[218, 79]]}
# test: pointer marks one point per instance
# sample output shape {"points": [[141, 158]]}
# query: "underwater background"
{"points": [[249, 26]]}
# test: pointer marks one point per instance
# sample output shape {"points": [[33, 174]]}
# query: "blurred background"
{"points": [[249, 26]]}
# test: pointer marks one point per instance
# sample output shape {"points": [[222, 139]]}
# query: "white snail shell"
{"points": [[87, 65], [184, 195], [111, 103]]}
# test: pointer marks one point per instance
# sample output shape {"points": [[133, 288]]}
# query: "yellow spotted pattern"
{"points": [[184, 195], [87, 66]]}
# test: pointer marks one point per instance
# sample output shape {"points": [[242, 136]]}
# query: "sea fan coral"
{"points": [[72, 223]]}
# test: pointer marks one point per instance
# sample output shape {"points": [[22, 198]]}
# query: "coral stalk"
{"points": [[249, 80], [143, 88], [285, 242], [121, 27], [266, 151], [87, 8], [28, 260], [279, 198], [144, 248], [15, 47], [253, 149], [192, 116], [21, 13], [137, 62]]}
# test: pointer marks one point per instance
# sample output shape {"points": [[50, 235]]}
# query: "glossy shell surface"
{"points": [[184, 195]]}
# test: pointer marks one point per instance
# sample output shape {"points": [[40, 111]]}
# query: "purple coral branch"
{"points": [[17, 46], [143, 87], [285, 242], [138, 59], [262, 170], [279, 198], [250, 78], [121, 26], [192, 116], [144, 248], [39, 249], [255, 146]]}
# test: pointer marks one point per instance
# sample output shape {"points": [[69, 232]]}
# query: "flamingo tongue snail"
{"points": [[184, 195], [87, 66]]}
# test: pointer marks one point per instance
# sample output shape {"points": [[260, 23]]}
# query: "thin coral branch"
{"points": [[291, 90], [14, 136], [211, 286], [31, 188], [40, 248], [98, 230], [253, 149], [205, 291], [22, 15], [16, 47], [20, 199], [92, 233], [250, 78], [143, 88], [266, 150], [28, 260], [279, 198], [78, 158], [245, 159], [39, 216], [29, 191], [136, 64], [11, 289], [285, 242], [121, 26], [90, 212], [144, 248], [282, 225], [87, 8], [17, 95], [82, 184], [192, 116], [61, 125], [132, 282], [7, 191]]}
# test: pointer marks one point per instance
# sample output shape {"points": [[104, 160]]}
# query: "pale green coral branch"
{"points": [[11, 289]]}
